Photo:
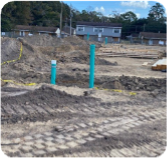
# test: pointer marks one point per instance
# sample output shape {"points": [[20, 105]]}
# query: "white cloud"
{"points": [[101, 9], [138, 15], [136, 4]]}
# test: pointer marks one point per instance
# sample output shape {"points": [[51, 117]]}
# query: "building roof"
{"points": [[99, 24], [150, 35], [36, 28]]}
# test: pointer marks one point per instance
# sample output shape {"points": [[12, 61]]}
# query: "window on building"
{"points": [[95, 30], [81, 28], [98, 30], [116, 31], [3, 33]]}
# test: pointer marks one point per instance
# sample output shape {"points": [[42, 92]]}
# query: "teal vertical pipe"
{"points": [[106, 40], [53, 71], [92, 64], [87, 37]]}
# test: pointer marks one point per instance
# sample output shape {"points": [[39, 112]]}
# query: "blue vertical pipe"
{"points": [[92, 64], [87, 37], [53, 71], [106, 40]]}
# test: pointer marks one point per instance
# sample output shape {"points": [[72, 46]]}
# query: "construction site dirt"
{"points": [[124, 115]]}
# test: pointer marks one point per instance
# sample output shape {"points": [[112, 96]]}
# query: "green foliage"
{"points": [[156, 13], [6, 26], [7, 18], [156, 19], [128, 17], [22, 12]]}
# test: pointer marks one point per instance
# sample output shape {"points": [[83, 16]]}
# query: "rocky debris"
{"points": [[115, 82], [78, 69], [89, 92], [134, 83]]}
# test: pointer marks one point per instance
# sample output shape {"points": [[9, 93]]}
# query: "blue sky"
{"points": [[140, 8]]}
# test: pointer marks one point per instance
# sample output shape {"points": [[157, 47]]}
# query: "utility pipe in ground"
{"points": [[92, 64], [87, 37], [106, 40], [53, 71]]}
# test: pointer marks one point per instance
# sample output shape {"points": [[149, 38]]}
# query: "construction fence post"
{"points": [[92, 64], [53, 71]]}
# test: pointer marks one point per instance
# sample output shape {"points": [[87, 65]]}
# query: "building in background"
{"points": [[67, 28], [98, 31], [24, 30], [151, 38], [134, 38], [148, 38]]}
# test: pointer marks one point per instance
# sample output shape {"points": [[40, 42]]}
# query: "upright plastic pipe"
{"points": [[106, 40], [87, 37], [92, 64], [53, 71]]}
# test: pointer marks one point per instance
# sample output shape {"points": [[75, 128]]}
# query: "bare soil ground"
{"points": [[71, 120]]}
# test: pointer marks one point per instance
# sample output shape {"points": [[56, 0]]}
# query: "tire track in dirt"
{"points": [[100, 142]]}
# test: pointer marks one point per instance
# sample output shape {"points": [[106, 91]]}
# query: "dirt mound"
{"points": [[82, 57], [44, 40], [74, 40], [10, 49], [133, 83], [31, 61], [69, 49], [48, 95], [3, 83], [47, 40]]}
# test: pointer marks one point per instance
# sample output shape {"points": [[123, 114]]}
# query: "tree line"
{"points": [[47, 13]]}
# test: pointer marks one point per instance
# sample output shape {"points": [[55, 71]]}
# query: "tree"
{"points": [[140, 21], [6, 25], [7, 17], [156, 19], [22, 12], [128, 17], [156, 13]]}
